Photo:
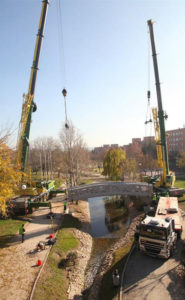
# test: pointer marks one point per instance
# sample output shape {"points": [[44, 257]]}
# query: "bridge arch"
{"points": [[110, 188]]}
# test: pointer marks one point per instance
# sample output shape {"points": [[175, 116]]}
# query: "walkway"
{"points": [[18, 260]]}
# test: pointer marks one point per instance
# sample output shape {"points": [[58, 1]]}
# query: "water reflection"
{"points": [[108, 216]]}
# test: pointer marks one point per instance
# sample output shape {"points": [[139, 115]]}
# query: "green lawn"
{"points": [[85, 181], [180, 183], [58, 183], [8, 228], [53, 282]]}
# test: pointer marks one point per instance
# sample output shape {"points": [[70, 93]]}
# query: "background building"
{"points": [[175, 145], [176, 140]]}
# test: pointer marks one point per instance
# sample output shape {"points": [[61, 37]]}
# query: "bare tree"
{"points": [[75, 153], [5, 133], [43, 156]]}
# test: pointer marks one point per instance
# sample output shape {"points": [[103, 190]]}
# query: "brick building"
{"points": [[149, 139], [176, 140], [175, 143]]}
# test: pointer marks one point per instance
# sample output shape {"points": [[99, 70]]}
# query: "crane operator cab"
{"points": [[170, 180]]}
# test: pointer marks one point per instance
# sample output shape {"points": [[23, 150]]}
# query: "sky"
{"points": [[101, 56]]}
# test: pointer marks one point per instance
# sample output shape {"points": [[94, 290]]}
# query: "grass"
{"points": [[58, 183], [8, 229], [107, 290], [180, 184], [53, 282], [85, 181]]}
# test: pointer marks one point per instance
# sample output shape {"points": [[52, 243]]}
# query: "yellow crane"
{"points": [[29, 106], [167, 180]]}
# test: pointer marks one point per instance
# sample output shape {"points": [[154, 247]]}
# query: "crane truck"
{"points": [[165, 182], [28, 107], [157, 236], [39, 189]]}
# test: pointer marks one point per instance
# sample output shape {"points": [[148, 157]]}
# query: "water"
{"points": [[97, 213], [108, 216], [109, 221]]}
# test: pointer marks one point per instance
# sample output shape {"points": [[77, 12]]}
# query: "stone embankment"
{"points": [[109, 258], [76, 276]]}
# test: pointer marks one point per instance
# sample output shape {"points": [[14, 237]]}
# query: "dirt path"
{"points": [[150, 278], [18, 261]]}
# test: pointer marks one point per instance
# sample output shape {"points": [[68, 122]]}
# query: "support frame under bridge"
{"points": [[110, 188]]}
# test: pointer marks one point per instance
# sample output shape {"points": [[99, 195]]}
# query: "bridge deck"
{"points": [[110, 188]]}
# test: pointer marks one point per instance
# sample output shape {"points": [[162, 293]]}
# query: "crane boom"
{"points": [[29, 105], [161, 114], [158, 143]]}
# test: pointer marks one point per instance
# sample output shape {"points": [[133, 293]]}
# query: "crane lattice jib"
{"points": [[28, 104], [161, 114], [158, 143]]}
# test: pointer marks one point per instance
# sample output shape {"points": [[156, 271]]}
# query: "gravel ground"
{"points": [[18, 260]]}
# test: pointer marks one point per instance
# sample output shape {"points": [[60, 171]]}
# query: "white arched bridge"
{"points": [[110, 188]]}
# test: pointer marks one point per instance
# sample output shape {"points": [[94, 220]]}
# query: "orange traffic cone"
{"points": [[39, 263]]}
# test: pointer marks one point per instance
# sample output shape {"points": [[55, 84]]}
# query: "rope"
{"points": [[62, 57], [148, 111], [149, 60], [61, 43]]}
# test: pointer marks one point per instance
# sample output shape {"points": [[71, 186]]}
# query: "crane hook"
{"points": [[64, 92]]}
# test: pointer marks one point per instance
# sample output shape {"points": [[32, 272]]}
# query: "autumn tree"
{"points": [[75, 153], [181, 160], [5, 134], [113, 163], [130, 167], [10, 177]]}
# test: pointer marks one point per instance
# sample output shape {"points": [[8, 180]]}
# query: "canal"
{"points": [[109, 222]]}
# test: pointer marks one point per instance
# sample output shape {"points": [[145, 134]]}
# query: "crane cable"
{"points": [[148, 112], [62, 57]]}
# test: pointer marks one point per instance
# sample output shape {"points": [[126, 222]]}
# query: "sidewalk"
{"points": [[18, 262]]}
